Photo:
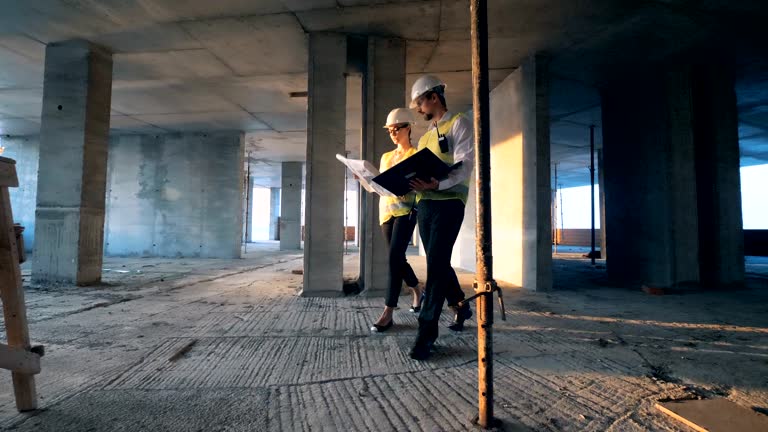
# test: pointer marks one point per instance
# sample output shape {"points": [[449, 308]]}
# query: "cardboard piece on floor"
{"points": [[715, 415]]}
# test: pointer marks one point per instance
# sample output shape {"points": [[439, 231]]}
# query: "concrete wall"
{"points": [[26, 152], [520, 184], [175, 195]]}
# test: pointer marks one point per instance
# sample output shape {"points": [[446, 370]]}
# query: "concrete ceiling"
{"points": [[195, 65]]}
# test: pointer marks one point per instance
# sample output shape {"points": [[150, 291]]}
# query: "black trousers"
{"points": [[398, 232], [439, 226]]}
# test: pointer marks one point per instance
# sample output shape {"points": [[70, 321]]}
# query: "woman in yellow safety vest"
{"points": [[398, 219]]}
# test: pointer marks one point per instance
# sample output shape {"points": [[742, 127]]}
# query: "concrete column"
{"points": [[520, 177], [326, 137], [290, 206], [383, 90], [601, 196], [249, 212], [721, 237], [274, 213], [651, 220], [74, 133]]}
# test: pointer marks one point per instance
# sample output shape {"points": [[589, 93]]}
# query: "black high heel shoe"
{"points": [[415, 309], [462, 314], [382, 328]]}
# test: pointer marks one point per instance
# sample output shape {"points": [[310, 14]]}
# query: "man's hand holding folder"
{"points": [[420, 185], [422, 171]]}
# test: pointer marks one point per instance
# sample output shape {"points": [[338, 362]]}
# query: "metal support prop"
{"points": [[554, 212], [485, 286], [592, 179], [248, 204]]}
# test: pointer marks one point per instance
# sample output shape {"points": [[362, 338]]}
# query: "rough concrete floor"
{"points": [[586, 357]]}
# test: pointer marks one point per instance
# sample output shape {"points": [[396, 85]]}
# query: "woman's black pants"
{"points": [[398, 232]]}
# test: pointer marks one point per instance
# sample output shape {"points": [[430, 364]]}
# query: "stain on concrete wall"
{"points": [[26, 152], [174, 195], [177, 195]]}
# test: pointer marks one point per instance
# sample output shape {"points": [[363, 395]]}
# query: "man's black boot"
{"points": [[423, 345]]}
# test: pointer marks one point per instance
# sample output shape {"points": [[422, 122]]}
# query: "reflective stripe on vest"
{"points": [[429, 140], [390, 207]]}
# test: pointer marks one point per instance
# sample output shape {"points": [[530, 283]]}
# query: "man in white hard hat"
{"points": [[441, 208]]}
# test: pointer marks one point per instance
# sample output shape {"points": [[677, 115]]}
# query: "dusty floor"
{"points": [[586, 357]]}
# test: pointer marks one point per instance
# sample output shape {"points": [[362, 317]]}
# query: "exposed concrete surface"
{"points": [[232, 64], [167, 194], [673, 209], [324, 202], [175, 195], [716, 136], [588, 358], [520, 177], [384, 85], [26, 152], [274, 213], [650, 198], [72, 172], [290, 205]]}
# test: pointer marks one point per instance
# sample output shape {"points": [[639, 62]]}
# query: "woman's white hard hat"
{"points": [[425, 84], [399, 116]]}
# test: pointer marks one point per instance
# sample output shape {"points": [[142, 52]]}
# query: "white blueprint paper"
{"points": [[365, 172]]}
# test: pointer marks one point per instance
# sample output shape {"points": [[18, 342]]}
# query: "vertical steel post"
{"points": [[248, 204], [484, 283], [592, 190], [554, 216]]}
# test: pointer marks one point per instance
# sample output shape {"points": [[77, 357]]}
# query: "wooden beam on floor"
{"points": [[715, 415]]}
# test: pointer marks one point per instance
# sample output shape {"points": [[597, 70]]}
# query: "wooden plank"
{"points": [[8, 176], [715, 415], [14, 308], [18, 360]]}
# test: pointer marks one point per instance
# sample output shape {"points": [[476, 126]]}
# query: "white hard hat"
{"points": [[425, 84], [398, 116]]}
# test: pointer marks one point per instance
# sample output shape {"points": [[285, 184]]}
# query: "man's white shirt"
{"points": [[461, 137]]}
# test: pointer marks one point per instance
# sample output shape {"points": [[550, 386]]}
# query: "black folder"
{"points": [[424, 165]]}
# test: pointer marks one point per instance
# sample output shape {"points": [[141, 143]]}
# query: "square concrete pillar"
{"points": [[274, 213], [383, 90], [71, 186], [326, 137], [290, 206], [651, 202], [601, 195], [520, 177], [716, 134], [249, 211]]}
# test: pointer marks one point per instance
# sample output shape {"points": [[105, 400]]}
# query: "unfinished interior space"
{"points": [[181, 250]]}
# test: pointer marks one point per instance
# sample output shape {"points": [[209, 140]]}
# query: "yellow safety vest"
{"points": [[430, 141], [390, 207]]}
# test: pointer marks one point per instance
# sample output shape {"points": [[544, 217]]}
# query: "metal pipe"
{"points": [[562, 218], [554, 212], [484, 283], [592, 179], [248, 204]]}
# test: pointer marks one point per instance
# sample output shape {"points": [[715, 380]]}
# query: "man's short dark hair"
{"points": [[440, 96]]}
